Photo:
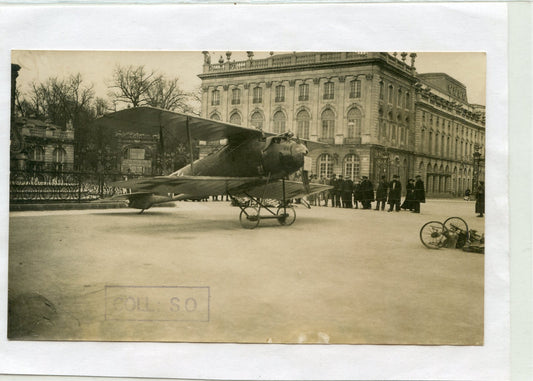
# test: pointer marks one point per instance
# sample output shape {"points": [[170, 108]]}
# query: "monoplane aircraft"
{"points": [[251, 164]]}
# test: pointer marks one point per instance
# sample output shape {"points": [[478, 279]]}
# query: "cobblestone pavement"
{"points": [[191, 273]]}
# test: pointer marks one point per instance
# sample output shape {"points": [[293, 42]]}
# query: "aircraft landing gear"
{"points": [[250, 215]]}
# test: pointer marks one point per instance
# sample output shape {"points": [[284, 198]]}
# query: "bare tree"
{"points": [[167, 95], [131, 84]]}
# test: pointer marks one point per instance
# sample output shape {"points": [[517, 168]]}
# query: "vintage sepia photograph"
{"points": [[306, 197]]}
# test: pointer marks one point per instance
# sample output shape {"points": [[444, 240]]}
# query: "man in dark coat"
{"points": [[367, 193], [395, 193], [347, 190], [381, 193], [338, 191], [408, 203], [357, 194], [480, 199], [420, 194], [332, 194]]}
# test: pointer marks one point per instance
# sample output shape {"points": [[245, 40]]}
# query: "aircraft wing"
{"points": [[155, 121], [203, 186], [172, 126]]}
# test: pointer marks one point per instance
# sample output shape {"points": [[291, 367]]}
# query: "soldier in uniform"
{"points": [[381, 193], [395, 193]]}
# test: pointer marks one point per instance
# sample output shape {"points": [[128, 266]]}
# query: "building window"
{"points": [[407, 100], [257, 120], [303, 92], [399, 100], [279, 122], [328, 124], [235, 118], [354, 123], [430, 143], [329, 90], [325, 166], [37, 154], [280, 93], [381, 90], [423, 117], [355, 89], [422, 138], [215, 116], [59, 155], [351, 166], [258, 95], [215, 98], [236, 96], [303, 124], [391, 89]]}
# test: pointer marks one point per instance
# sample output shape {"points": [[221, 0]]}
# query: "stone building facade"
{"points": [[366, 109], [46, 147]]}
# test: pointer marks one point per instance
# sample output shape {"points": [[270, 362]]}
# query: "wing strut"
{"points": [[189, 138]]}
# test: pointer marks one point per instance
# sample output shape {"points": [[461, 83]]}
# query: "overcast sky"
{"points": [[97, 66]]}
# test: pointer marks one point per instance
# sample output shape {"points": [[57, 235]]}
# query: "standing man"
{"points": [[333, 183], [338, 191], [395, 193], [480, 199], [367, 193], [357, 193], [381, 193], [347, 189], [420, 194]]}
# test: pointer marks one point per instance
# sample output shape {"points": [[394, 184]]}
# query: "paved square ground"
{"points": [[191, 273]]}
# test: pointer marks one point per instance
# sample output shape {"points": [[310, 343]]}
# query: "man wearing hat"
{"points": [[367, 192], [395, 193], [420, 194]]}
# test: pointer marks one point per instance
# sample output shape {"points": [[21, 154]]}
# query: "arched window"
{"points": [[422, 139], [381, 90], [391, 90], [303, 124], [257, 120], [354, 123], [59, 155], [37, 154], [351, 166], [235, 118], [325, 166], [279, 122], [328, 124], [399, 100], [215, 116]]}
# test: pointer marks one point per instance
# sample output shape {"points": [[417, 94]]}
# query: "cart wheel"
{"points": [[249, 217], [459, 227], [433, 235], [286, 216]]}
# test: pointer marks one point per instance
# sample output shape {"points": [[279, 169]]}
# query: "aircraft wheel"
{"points": [[433, 235], [289, 217], [249, 217]]}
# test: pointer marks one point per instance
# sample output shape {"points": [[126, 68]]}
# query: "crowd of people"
{"points": [[349, 194]]}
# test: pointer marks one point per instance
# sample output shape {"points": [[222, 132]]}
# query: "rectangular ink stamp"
{"points": [[157, 303]]}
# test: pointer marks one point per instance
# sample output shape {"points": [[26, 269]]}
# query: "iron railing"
{"points": [[55, 186]]}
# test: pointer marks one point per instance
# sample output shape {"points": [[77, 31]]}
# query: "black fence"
{"points": [[59, 186]]}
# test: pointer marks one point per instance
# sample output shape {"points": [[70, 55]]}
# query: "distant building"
{"points": [[138, 153], [46, 147], [372, 111]]}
